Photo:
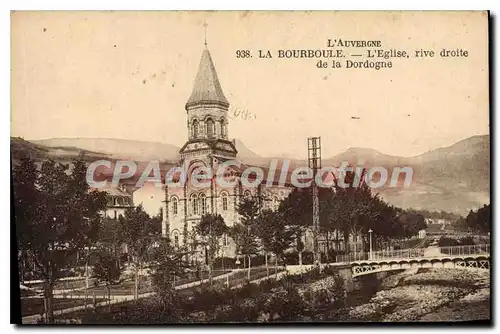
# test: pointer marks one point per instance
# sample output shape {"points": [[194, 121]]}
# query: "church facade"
{"points": [[208, 146]]}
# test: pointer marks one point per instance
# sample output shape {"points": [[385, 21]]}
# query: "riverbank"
{"points": [[428, 295]]}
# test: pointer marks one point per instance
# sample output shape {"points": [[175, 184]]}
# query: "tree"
{"points": [[168, 265], [154, 227], [349, 208], [355, 210], [211, 228], [63, 217], [297, 210], [243, 232], [111, 236], [411, 222], [275, 234], [107, 269], [137, 237], [480, 220], [25, 200]]}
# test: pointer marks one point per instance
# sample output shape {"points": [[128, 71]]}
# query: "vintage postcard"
{"points": [[231, 167]]}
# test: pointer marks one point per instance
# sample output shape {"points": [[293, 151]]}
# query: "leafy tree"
{"points": [[168, 265], [354, 207], [480, 220], [274, 233], [138, 238], [349, 208], [211, 228], [244, 232], [25, 200], [411, 222], [63, 217], [154, 227], [297, 210], [107, 269], [111, 236]]}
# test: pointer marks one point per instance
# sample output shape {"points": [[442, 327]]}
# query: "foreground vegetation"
{"points": [[286, 299], [61, 232], [396, 296]]}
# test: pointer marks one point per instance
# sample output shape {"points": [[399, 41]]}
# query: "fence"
{"points": [[414, 253], [466, 250], [380, 255]]}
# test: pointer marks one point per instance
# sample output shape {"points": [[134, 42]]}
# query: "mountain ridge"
{"points": [[454, 178]]}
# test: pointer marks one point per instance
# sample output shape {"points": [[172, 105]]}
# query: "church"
{"points": [[208, 146]]}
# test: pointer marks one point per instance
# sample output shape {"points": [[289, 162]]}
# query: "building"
{"points": [[119, 200], [207, 146]]}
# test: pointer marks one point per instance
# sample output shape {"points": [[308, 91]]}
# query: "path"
{"points": [[32, 319], [432, 251]]}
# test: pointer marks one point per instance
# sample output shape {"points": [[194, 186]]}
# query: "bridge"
{"points": [[469, 257]]}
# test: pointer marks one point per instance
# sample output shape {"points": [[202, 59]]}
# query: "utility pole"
{"points": [[314, 160]]}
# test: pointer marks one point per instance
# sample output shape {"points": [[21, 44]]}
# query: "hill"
{"points": [[454, 178], [116, 148]]}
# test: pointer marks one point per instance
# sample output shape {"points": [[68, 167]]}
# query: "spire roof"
{"points": [[207, 88]]}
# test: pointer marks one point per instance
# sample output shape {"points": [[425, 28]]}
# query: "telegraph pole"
{"points": [[314, 160]]}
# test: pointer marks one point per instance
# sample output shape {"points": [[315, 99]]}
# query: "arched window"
{"points": [[203, 204], [224, 201], [223, 128], [194, 204], [175, 206], [176, 238], [210, 128], [195, 128]]}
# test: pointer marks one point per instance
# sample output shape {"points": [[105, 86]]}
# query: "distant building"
{"points": [[440, 221], [421, 234], [119, 200]]}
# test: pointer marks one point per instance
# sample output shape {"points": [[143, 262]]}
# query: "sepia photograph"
{"points": [[230, 167]]}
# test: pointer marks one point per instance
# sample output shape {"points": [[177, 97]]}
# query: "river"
{"points": [[420, 295]]}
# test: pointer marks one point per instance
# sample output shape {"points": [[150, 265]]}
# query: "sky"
{"points": [[128, 75]]}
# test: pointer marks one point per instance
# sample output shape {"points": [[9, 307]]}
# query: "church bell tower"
{"points": [[207, 121]]}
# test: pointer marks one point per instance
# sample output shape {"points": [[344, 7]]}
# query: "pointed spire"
{"points": [[205, 25], [207, 88]]}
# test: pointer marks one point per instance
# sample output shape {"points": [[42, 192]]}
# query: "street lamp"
{"points": [[371, 250]]}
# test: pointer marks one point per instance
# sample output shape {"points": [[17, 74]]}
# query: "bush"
{"points": [[467, 241], [445, 242], [271, 300], [292, 258]]}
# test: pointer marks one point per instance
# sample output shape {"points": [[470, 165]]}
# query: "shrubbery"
{"points": [[447, 241], [271, 300], [467, 241]]}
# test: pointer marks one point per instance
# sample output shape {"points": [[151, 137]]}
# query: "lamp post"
{"points": [[371, 250]]}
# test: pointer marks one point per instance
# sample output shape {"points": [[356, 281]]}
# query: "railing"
{"points": [[466, 250], [381, 255], [414, 253]]}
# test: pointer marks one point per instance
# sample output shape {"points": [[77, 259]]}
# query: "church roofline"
{"points": [[207, 89]]}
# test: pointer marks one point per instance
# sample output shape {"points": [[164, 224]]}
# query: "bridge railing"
{"points": [[466, 250], [413, 253], [381, 255]]}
